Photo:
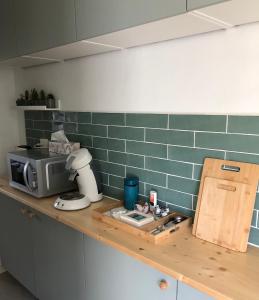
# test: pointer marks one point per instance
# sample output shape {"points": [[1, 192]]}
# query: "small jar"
{"points": [[131, 190]]}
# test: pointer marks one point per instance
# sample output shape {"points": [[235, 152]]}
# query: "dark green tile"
{"points": [[108, 118], [185, 211], [254, 219], [126, 159], [116, 181], [28, 132], [48, 115], [147, 120], [95, 130], [42, 125], [71, 117], [198, 122], [36, 115], [182, 138], [84, 117], [113, 192], [183, 185], [110, 168], [103, 177], [254, 236], [149, 149], [169, 167], [170, 196], [231, 142], [197, 172], [110, 144], [128, 133], [249, 158], [99, 154], [28, 123], [195, 200], [84, 140], [70, 127], [147, 176], [28, 115], [243, 124], [39, 134], [257, 202], [192, 155]]}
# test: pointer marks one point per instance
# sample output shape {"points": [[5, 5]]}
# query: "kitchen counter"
{"points": [[219, 272]]}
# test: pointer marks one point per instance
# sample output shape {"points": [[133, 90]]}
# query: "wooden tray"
{"points": [[145, 230]]}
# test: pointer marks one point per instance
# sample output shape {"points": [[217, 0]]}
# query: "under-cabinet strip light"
{"points": [[100, 44], [42, 58], [203, 16]]}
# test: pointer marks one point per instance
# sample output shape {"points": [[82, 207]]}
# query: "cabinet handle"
{"points": [[163, 284], [23, 211]]}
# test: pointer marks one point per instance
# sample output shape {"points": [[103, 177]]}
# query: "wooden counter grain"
{"points": [[219, 272]]}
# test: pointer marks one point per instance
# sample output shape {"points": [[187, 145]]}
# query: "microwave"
{"points": [[38, 172]]}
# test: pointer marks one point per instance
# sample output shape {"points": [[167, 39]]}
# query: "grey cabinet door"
{"points": [[111, 274], [97, 17], [7, 30], [186, 292], [59, 260], [43, 24], [195, 4], [16, 247]]}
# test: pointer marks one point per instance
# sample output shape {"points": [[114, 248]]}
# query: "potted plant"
{"points": [[51, 101]]}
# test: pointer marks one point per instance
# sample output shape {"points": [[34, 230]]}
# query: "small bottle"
{"points": [[152, 200], [131, 189]]}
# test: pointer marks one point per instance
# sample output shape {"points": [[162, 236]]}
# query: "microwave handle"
{"points": [[25, 173]]}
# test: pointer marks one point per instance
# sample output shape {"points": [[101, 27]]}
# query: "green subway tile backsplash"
{"points": [[183, 185], [165, 151], [147, 149], [108, 119], [192, 155], [169, 167], [243, 124], [231, 142], [128, 133], [198, 122], [183, 138], [95, 130], [147, 120]]}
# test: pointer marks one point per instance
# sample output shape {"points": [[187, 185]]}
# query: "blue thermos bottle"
{"points": [[131, 189]]}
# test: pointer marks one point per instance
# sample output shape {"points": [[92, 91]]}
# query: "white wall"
{"points": [[11, 121], [211, 73]]}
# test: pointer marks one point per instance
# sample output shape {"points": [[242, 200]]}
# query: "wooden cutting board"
{"points": [[225, 203]]}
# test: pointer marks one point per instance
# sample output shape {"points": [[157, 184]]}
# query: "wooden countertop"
{"points": [[219, 272]]}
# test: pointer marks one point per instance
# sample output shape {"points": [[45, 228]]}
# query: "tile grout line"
{"points": [[226, 123]]}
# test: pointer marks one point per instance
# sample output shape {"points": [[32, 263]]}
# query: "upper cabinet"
{"points": [[98, 17], [195, 4], [7, 30], [44, 24]]}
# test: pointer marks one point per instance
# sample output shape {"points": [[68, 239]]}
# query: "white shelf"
{"points": [[36, 107]]}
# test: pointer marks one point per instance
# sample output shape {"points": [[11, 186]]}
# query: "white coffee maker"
{"points": [[81, 168]]}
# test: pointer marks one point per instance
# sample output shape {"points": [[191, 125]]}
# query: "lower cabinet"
{"points": [[112, 275], [56, 262], [16, 243], [185, 292]]}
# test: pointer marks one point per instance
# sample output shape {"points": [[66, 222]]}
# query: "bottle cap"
{"points": [[131, 181]]}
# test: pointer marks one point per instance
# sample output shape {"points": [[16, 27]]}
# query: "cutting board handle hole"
{"points": [[230, 168], [226, 187]]}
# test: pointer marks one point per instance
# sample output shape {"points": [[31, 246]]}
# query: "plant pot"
{"points": [[51, 103]]}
